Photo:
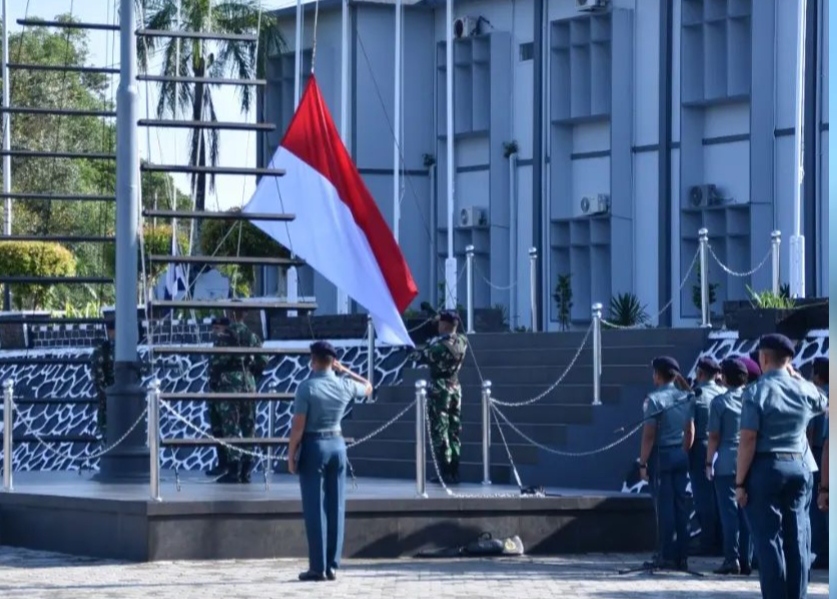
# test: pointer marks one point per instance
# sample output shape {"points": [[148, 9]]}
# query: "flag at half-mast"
{"points": [[338, 229]]}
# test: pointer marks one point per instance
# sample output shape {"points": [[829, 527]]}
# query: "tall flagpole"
{"points": [[293, 273], [7, 145], [797, 240], [396, 127], [450, 263], [342, 296]]}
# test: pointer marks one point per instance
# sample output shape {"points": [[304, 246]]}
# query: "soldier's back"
{"points": [[671, 415]]}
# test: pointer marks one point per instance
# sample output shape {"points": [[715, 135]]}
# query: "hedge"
{"points": [[34, 259], [157, 243]]}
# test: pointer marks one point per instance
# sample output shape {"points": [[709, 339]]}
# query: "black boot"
{"points": [[246, 469], [221, 468], [231, 475], [444, 469], [453, 472]]}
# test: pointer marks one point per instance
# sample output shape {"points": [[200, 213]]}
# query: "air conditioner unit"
{"points": [[466, 27], [701, 196], [473, 217], [592, 5], [597, 204]]}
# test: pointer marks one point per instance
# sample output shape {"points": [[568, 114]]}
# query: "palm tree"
{"points": [[201, 58]]}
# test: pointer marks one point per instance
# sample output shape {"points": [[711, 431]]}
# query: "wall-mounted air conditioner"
{"points": [[466, 27], [592, 5], [701, 196], [473, 216], [596, 204]]}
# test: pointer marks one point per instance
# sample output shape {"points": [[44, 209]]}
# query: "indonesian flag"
{"points": [[338, 229]]}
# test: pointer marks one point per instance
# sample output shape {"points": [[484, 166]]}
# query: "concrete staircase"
{"points": [[521, 366]]}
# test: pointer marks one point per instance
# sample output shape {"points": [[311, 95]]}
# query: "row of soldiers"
{"points": [[227, 373], [740, 435]]}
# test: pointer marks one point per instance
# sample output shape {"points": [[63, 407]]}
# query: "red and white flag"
{"points": [[338, 229]]}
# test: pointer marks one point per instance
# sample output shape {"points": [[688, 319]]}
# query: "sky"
{"points": [[163, 146]]}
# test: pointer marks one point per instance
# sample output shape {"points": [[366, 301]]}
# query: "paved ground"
{"points": [[35, 575]]}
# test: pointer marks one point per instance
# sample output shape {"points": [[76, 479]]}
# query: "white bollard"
{"points": [[533, 287], [421, 427], [370, 351], [775, 246], [703, 240], [8, 433], [153, 398], [597, 354], [469, 290], [486, 432]]}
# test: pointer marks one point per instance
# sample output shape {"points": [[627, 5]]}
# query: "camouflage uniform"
{"points": [[445, 356], [236, 374], [101, 366]]}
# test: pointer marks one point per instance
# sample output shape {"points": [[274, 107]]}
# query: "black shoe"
{"points": [[331, 574], [820, 563], [682, 565], [453, 473], [310, 576], [444, 470], [244, 478], [228, 478], [728, 568], [660, 564], [746, 570]]}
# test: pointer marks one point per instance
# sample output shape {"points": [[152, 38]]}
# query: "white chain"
{"points": [[27, 424], [734, 273], [493, 285], [382, 428], [569, 454], [564, 374]]}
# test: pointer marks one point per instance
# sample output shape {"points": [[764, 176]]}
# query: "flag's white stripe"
{"points": [[325, 235]]}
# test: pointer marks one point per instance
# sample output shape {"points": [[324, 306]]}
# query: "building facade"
{"points": [[604, 139]]}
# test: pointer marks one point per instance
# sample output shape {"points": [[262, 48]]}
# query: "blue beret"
{"points": [[778, 343], [753, 368], [323, 349], [221, 322], [449, 316], [820, 367], [734, 366], [708, 365], [665, 364]]}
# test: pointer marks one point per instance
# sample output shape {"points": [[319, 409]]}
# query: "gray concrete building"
{"points": [[605, 139]]}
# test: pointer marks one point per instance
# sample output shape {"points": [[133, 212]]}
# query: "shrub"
{"points": [[157, 242], [627, 311], [34, 259]]}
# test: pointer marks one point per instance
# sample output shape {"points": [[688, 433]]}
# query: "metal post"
{"points": [[370, 351], [486, 432], [451, 273], [797, 240], [703, 240], [533, 287], [126, 400], [8, 430], [775, 246], [513, 225], [597, 354], [271, 427], [342, 296], [396, 126], [421, 459], [469, 289], [154, 438], [7, 146], [298, 54]]}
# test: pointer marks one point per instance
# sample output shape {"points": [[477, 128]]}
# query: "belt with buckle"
{"points": [[780, 455], [324, 435]]}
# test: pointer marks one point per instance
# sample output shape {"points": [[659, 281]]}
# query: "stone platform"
{"points": [[69, 513]]}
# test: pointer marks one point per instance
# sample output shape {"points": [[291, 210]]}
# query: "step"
{"points": [[536, 413], [548, 434], [572, 340], [406, 469], [548, 375], [637, 355], [405, 449], [562, 394]]}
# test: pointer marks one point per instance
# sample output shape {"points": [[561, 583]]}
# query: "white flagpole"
{"points": [[396, 127], [7, 145], [450, 263], [797, 240], [342, 296], [298, 54]]}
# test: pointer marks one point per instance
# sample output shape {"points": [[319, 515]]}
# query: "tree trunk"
{"points": [[197, 157]]}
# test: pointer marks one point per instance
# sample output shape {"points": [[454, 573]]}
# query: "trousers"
{"points": [[216, 429], [819, 519], [672, 478], [734, 525], [238, 419], [322, 483], [703, 495], [776, 490], [444, 409]]}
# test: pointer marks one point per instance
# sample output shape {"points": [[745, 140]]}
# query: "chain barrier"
{"points": [[552, 387], [488, 282], [381, 428], [734, 273], [29, 428], [567, 454], [668, 304]]}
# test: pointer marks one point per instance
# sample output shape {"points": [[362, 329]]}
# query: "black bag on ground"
{"points": [[484, 546]]}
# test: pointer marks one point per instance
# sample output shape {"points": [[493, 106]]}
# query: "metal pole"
{"points": [[450, 263], [8, 430], [421, 459], [154, 438], [469, 294], [533, 286], [797, 240], [370, 351], [513, 224], [271, 427], [703, 241], [298, 55], [126, 401], [7, 146], [486, 432], [597, 354], [775, 246], [434, 236], [396, 126], [342, 296]]}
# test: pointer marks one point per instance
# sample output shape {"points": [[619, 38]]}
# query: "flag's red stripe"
{"points": [[314, 139]]}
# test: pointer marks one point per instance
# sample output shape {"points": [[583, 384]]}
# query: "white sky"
{"points": [[167, 146]]}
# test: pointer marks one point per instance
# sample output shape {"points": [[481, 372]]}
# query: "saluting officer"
{"points": [[771, 476], [695, 442], [667, 409], [816, 437]]}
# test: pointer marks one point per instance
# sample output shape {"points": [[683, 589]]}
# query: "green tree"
{"points": [[199, 58], [34, 259]]}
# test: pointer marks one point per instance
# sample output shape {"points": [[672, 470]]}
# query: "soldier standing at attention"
{"points": [[101, 365], [445, 356], [219, 329], [816, 438], [772, 479], [667, 410], [236, 373], [724, 435], [695, 443]]}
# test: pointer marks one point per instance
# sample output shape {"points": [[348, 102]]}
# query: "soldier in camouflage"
{"points": [[444, 356], [101, 366], [236, 374], [219, 330]]}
